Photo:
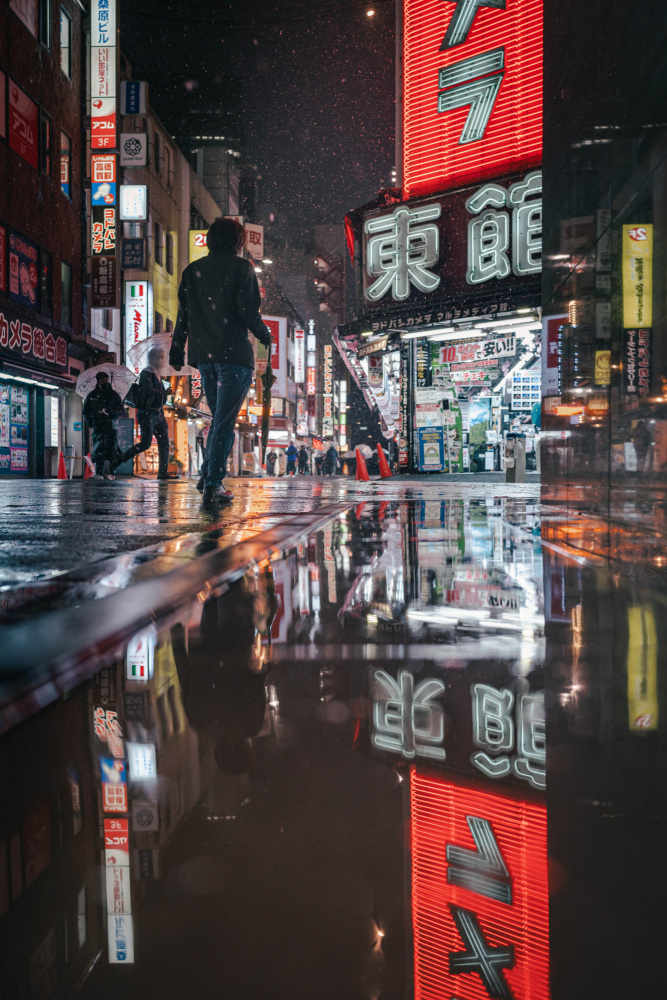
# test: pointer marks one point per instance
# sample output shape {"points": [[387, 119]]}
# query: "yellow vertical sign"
{"points": [[637, 276], [197, 244], [642, 669]]}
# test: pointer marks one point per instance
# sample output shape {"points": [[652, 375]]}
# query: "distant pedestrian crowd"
{"points": [[294, 461]]}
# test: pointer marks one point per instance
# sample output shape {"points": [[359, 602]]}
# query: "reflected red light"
{"points": [[433, 158], [438, 818]]}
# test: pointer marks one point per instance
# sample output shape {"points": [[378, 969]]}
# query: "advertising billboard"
{"points": [[472, 91], [23, 125], [637, 276], [278, 327], [138, 313]]}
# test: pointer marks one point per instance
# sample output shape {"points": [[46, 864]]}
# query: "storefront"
{"points": [[34, 413], [446, 345]]}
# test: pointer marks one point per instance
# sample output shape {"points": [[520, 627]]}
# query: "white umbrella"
{"points": [[365, 450], [121, 379], [138, 355]]}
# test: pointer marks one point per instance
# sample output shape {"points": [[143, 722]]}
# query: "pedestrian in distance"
{"points": [[282, 463], [331, 461], [152, 396], [303, 460], [292, 455], [218, 303], [319, 461], [100, 410], [271, 463]]}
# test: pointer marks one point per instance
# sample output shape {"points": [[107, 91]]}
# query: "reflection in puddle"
{"points": [[328, 775]]}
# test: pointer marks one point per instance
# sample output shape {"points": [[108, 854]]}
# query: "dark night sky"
{"points": [[317, 82]]}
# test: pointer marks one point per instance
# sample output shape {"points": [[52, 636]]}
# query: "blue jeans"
{"points": [[225, 388]]}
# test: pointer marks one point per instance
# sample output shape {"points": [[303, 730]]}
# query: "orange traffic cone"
{"points": [[362, 471], [62, 471], [88, 467], [346, 471], [385, 471]]}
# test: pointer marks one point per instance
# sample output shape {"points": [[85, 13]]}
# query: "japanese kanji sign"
{"points": [[103, 231], [472, 91], [39, 343], [480, 905], [434, 250], [636, 362]]}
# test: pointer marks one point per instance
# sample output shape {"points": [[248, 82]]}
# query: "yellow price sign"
{"points": [[602, 367], [197, 244]]}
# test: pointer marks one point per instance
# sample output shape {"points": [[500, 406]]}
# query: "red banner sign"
{"points": [[472, 97], [23, 125]]}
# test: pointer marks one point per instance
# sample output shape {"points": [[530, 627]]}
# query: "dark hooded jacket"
{"points": [[218, 302]]}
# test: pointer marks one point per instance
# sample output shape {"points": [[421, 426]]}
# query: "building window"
{"points": [[46, 282], [45, 144], [169, 326], [157, 232], [65, 294], [26, 12], [158, 322], [65, 164], [45, 17], [168, 160], [66, 43], [170, 253], [157, 153]]}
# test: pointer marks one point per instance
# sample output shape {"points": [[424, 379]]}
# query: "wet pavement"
{"points": [[50, 526], [384, 747]]}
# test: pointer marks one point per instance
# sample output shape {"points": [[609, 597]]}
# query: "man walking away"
{"points": [[150, 415], [219, 302], [271, 463], [303, 461], [292, 455], [331, 461], [100, 409]]}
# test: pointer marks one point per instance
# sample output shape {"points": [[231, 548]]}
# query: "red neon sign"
{"points": [[480, 904], [472, 91]]}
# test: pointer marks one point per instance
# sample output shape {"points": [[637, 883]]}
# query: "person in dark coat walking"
{"points": [[303, 460], [271, 463], [219, 302], [100, 409], [331, 462], [292, 455], [150, 415]]}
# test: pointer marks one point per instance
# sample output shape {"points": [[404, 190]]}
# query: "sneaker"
{"points": [[210, 493], [201, 484], [109, 475]]}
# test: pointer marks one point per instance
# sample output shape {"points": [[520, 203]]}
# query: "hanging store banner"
{"points": [[103, 232], [23, 271], [105, 283], [472, 91], [23, 125], [133, 149], [299, 355], [254, 240], [636, 362], [602, 367], [422, 252], [103, 74], [479, 893], [133, 253], [133, 97], [637, 276], [278, 327], [103, 123], [138, 326]]}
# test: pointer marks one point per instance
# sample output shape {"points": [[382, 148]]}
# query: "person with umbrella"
{"points": [[150, 415], [331, 461], [100, 409], [219, 302]]}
